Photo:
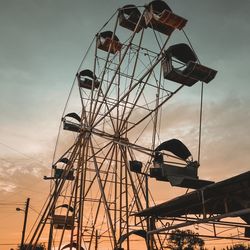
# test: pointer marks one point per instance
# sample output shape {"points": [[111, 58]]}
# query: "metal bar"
{"points": [[205, 220], [132, 78], [134, 146], [67, 214], [149, 238], [103, 195], [146, 116], [149, 72], [100, 200], [224, 223], [126, 193], [82, 169], [101, 164], [93, 113], [137, 200], [118, 67], [92, 89], [51, 203], [216, 237], [120, 203], [116, 186], [129, 91]]}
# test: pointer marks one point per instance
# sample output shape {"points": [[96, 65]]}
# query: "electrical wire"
{"points": [[201, 101]]}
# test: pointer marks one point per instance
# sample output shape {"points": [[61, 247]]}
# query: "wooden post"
{"points": [[25, 222]]}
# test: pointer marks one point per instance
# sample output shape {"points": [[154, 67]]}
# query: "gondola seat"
{"points": [[160, 17], [108, 42], [129, 16], [187, 69], [86, 79]]}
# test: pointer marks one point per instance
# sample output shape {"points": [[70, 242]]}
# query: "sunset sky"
{"points": [[41, 45]]}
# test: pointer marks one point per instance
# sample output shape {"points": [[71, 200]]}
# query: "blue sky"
{"points": [[42, 44]]}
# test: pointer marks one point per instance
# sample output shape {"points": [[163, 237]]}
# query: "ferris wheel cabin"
{"points": [[108, 42], [72, 125], [129, 16], [160, 17], [180, 64], [65, 222], [87, 79]]}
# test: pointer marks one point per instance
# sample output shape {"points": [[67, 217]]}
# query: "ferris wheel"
{"points": [[101, 180]]}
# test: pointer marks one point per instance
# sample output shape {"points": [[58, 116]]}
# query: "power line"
{"points": [[21, 153], [11, 204], [34, 210], [8, 244]]}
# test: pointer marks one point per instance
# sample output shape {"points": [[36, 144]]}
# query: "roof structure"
{"points": [[228, 197]]}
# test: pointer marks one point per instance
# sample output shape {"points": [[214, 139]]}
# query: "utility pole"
{"points": [[25, 221]]}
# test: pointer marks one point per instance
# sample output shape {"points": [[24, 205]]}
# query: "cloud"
{"points": [[226, 135], [7, 187], [17, 172]]}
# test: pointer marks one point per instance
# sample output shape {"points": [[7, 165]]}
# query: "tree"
{"points": [[39, 246], [239, 247], [185, 240]]}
